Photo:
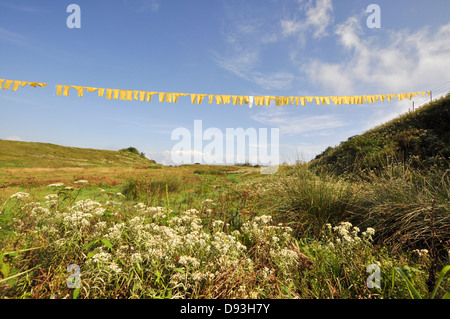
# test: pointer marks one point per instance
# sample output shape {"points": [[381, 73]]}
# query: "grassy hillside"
{"points": [[421, 138], [28, 154]]}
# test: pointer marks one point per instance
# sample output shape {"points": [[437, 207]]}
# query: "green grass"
{"points": [[310, 231], [28, 154], [421, 138]]}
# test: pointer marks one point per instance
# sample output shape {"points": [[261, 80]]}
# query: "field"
{"points": [[215, 232], [368, 219]]}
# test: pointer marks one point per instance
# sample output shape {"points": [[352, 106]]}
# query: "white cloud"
{"points": [[318, 18], [14, 138], [404, 61], [296, 125], [246, 37]]}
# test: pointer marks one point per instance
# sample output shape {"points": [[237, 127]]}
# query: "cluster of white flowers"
{"points": [[81, 181], [189, 262], [76, 218], [285, 258], [112, 203], [227, 245], [56, 185], [103, 261], [156, 213], [20, 195], [115, 232], [421, 252], [367, 235], [86, 205], [40, 212], [260, 231], [346, 233], [51, 196]]}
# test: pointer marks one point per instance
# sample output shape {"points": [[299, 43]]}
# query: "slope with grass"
{"points": [[421, 138], [31, 154]]}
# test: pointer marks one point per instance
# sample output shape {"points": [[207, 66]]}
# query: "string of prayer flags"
{"points": [[168, 97], [250, 100], [17, 84]]}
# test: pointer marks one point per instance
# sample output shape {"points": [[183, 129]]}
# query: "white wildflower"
{"points": [[188, 261], [136, 258], [20, 195], [81, 181], [56, 185]]}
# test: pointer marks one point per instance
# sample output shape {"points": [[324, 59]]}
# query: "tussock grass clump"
{"points": [[307, 202], [136, 188]]}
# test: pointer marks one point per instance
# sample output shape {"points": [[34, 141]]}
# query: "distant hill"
{"points": [[421, 138], [31, 154]]}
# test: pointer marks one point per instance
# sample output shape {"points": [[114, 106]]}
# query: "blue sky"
{"points": [[264, 47]]}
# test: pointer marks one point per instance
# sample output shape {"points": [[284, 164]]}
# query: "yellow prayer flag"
{"points": [[149, 96], [269, 99], [246, 99], [177, 95], [116, 93], [226, 99], [101, 92], [235, 99], [109, 94], [142, 96], [193, 98], [200, 98], [89, 89], [162, 96], [1, 82], [129, 95], [24, 83], [169, 97], [66, 90], [259, 100], [59, 89], [79, 89], [211, 97], [123, 94], [7, 84]]}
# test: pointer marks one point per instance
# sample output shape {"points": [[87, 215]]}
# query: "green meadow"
{"points": [[368, 219]]}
